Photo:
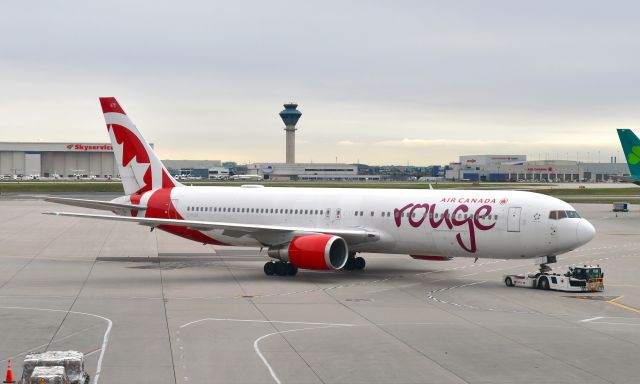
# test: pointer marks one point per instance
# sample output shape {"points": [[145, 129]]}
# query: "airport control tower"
{"points": [[290, 116]]}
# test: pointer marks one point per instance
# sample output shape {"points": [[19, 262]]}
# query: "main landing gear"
{"points": [[354, 263], [280, 268]]}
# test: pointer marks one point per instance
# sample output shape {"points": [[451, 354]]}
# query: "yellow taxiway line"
{"points": [[628, 308]]}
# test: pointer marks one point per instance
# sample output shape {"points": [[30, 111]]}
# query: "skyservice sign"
{"points": [[90, 147]]}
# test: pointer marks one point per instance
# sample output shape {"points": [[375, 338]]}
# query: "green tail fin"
{"points": [[631, 147]]}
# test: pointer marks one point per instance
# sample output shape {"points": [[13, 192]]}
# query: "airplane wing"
{"points": [[94, 204], [258, 231]]}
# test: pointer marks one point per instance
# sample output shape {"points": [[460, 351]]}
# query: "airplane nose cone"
{"points": [[585, 231]]}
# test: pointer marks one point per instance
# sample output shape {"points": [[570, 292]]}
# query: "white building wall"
{"points": [[18, 163], [57, 164], [70, 164], [32, 162], [6, 163], [83, 163]]}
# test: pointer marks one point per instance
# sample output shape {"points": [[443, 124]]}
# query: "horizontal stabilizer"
{"points": [[93, 204]]}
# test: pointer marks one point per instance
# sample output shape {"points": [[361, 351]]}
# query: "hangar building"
{"points": [[517, 168], [64, 159]]}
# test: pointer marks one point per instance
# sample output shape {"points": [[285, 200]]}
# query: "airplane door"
{"points": [[173, 213], [513, 221]]}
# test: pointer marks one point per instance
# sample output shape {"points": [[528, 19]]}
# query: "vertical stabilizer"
{"points": [[631, 147], [139, 167]]}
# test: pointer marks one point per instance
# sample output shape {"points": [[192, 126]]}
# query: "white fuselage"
{"points": [[457, 223]]}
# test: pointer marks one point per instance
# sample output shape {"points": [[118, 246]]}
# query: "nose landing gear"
{"points": [[544, 268]]}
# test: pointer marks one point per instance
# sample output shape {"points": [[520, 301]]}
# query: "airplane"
{"points": [[324, 228], [631, 147], [247, 177]]}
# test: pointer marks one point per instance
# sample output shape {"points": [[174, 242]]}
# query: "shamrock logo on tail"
{"points": [[634, 156]]}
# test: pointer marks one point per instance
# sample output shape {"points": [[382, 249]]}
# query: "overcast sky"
{"points": [[380, 82]]}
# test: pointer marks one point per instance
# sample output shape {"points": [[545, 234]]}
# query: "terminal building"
{"points": [[309, 171], [517, 168]]}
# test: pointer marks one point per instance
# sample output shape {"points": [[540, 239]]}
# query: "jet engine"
{"points": [[313, 252]]}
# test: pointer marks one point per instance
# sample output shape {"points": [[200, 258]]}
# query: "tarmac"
{"points": [[149, 307]]}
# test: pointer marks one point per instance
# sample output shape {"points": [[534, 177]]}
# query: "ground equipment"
{"points": [[576, 279]]}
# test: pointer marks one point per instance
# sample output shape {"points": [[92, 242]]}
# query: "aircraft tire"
{"points": [[359, 263], [543, 283], [508, 282], [269, 268], [280, 269], [292, 270], [348, 266]]}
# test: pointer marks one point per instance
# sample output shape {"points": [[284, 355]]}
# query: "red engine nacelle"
{"points": [[313, 252], [432, 258]]}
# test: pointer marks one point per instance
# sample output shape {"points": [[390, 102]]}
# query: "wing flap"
{"points": [[93, 204]]}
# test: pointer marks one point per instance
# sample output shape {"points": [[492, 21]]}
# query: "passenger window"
{"points": [[372, 213]]}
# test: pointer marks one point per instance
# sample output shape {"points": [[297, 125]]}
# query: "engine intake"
{"points": [[320, 252]]}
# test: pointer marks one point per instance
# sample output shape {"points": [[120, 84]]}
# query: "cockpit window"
{"points": [[558, 215]]}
